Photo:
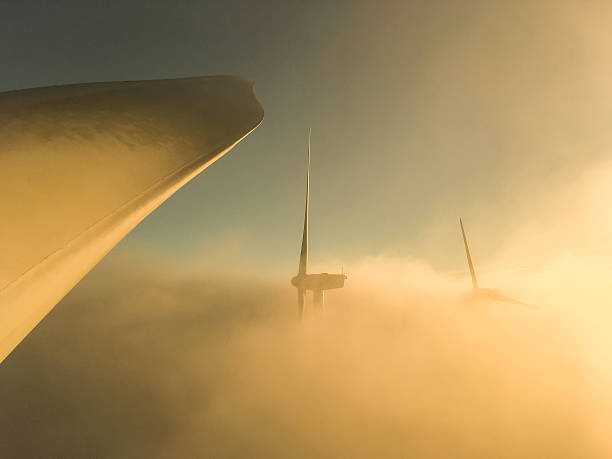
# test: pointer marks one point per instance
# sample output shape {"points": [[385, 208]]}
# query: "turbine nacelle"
{"points": [[321, 281]]}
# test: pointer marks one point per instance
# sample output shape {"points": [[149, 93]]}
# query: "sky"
{"points": [[183, 341], [421, 112]]}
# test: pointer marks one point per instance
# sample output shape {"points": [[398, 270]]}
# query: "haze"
{"points": [[184, 343]]}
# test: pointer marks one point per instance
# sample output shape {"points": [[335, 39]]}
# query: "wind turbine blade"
{"points": [[469, 257], [507, 299], [300, 297], [304, 252], [83, 164]]}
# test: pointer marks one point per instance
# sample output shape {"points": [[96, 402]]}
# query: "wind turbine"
{"points": [[303, 281], [485, 293]]}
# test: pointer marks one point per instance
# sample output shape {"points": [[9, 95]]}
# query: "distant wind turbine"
{"points": [[303, 281], [485, 293]]}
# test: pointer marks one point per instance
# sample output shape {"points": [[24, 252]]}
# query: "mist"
{"points": [[184, 342], [143, 361], [205, 357]]}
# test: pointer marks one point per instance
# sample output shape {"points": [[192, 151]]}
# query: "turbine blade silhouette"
{"points": [[469, 257], [301, 293], [507, 299], [304, 252]]}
